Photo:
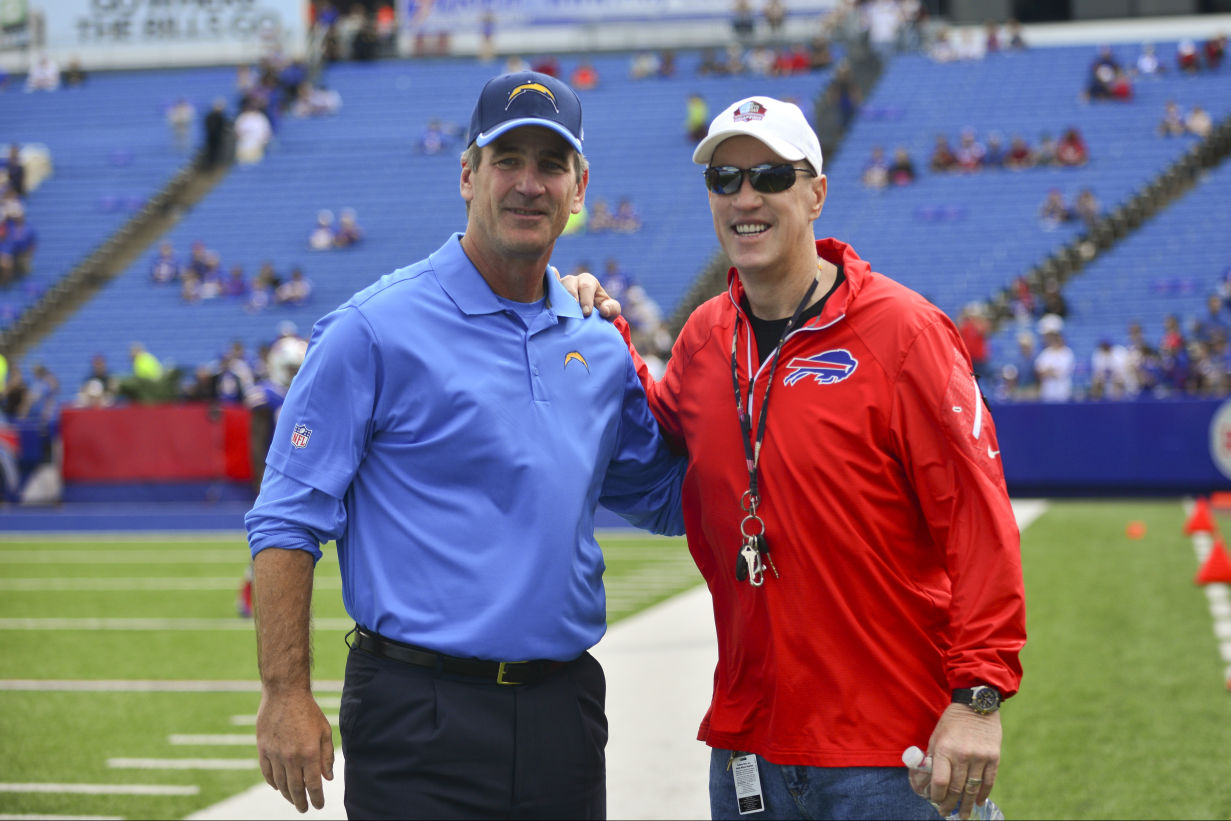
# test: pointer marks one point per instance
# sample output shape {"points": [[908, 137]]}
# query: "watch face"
{"points": [[984, 699]]}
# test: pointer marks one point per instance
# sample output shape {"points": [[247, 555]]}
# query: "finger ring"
{"points": [[970, 781]]}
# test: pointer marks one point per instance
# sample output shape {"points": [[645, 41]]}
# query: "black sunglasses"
{"points": [[766, 178]]}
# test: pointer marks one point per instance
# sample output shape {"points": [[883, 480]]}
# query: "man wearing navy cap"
{"points": [[443, 432]]}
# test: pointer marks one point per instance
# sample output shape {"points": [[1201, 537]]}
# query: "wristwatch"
{"points": [[982, 699]]}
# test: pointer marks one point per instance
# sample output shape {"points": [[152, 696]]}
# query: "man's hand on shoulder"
{"points": [[587, 290]]}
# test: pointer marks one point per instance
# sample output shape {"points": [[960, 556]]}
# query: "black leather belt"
{"points": [[495, 672]]}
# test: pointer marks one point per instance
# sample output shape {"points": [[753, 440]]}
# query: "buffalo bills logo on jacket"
{"points": [[826, 368]]}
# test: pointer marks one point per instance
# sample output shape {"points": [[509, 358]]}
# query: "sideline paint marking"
{"points": [[250, 721], [146, 686], [6, 817], [154, 624], [183, 763], [139, 583], [239, 556], [212, 740], [102, 789]]}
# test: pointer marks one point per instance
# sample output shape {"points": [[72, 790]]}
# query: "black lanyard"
{"points": [[752, 448]]}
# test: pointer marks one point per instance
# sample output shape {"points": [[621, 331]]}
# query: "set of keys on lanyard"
{"points": [[754, 553], [754, 547]]}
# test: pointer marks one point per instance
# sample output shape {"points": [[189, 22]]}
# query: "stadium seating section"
{"points": [[955, 238]]}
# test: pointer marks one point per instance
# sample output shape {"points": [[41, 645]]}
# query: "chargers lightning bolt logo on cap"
{"points": [[574, 356], [527, 87], [826, 368]]}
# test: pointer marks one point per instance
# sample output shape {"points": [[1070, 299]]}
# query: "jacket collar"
{"points": [[473, 296]]}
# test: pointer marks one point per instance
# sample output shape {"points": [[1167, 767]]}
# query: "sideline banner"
{"points": [[135, 33], [462, 15]]}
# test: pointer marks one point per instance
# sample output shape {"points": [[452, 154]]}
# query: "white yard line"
{"points": [[102, 789], [212, 740], [25, 817], [139, 583], [247, 763], [250, 720], [153, 624], [147, 686]]}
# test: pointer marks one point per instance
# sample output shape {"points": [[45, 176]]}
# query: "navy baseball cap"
{"points": [[525, 98]]}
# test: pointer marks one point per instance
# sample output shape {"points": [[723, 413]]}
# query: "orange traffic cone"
{"points": [[1217, 566], [1201, 520]]}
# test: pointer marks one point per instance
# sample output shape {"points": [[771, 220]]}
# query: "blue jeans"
{"points": [[792, 792]]}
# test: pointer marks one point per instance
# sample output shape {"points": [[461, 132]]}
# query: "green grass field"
{"points": [[1123, 712]]}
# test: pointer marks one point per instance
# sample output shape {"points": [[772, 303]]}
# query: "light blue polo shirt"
{"points": [[457, 457]]}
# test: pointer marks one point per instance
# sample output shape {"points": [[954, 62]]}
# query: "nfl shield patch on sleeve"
{"points": [[300, 436]]}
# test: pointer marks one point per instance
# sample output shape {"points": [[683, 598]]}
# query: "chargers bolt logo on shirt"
{"points": [[751, 110], [826, 368], [528, 87], [300, 436], [574, 356]]}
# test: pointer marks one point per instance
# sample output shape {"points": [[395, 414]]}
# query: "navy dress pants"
{"points": [[419, 744]]}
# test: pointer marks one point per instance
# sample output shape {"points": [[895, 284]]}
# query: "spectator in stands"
{"points": [[775, 18], [1121, 86], [1186, 57], [969, 152], [973, 327], [1071, 150], [844, 93], [902, 169], [743, 21], [211, 278], [253, 134], [74, 75], [41, 402], [18, 242], [584, 76], [819, 55], [1055, 363], [876, 170], [625, 219], [180, 116], [942, 49], [616, 281], [1172, 124], [696, 118], [1054, 211], [203, 386], [235, 286], [44, 75], [882, 20], [760, 61], [1019, 155], [1015, 40], [321, 237], [13, 396], [666, 63], [164, 267], [315, 101], [367, 44], [1027, 386], [217, 128], [1045, 153], [1215, 49], [710, 65], [643, 65], [1112, 375], [190, 286], [792, 61], [438, 136], [1148, 64], [991, 37], [15, 171], [1198, 122], [601, 219], [996, 153], [349, 233], [1087, 208], [294, 291], [1053, 301], [1099, 86], [1214, 322], [943, 158], [264, 284]]}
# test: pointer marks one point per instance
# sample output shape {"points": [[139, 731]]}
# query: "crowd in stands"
{"points": [[359, 33], [329, 234], [201, 277], [18, 238], [971, 154]]}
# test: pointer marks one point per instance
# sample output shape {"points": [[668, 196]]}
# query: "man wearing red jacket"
{"points": [[846, 504]]}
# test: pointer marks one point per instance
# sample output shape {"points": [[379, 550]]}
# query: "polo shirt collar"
{"points": [[471, 293]]}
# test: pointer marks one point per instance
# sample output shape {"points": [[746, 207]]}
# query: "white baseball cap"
{"points": [[780, 125]]}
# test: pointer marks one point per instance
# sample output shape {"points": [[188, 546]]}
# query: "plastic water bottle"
{"points": [[914, 759]]}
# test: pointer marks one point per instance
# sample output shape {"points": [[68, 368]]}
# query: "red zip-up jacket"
{"points": [[886, 514]]}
